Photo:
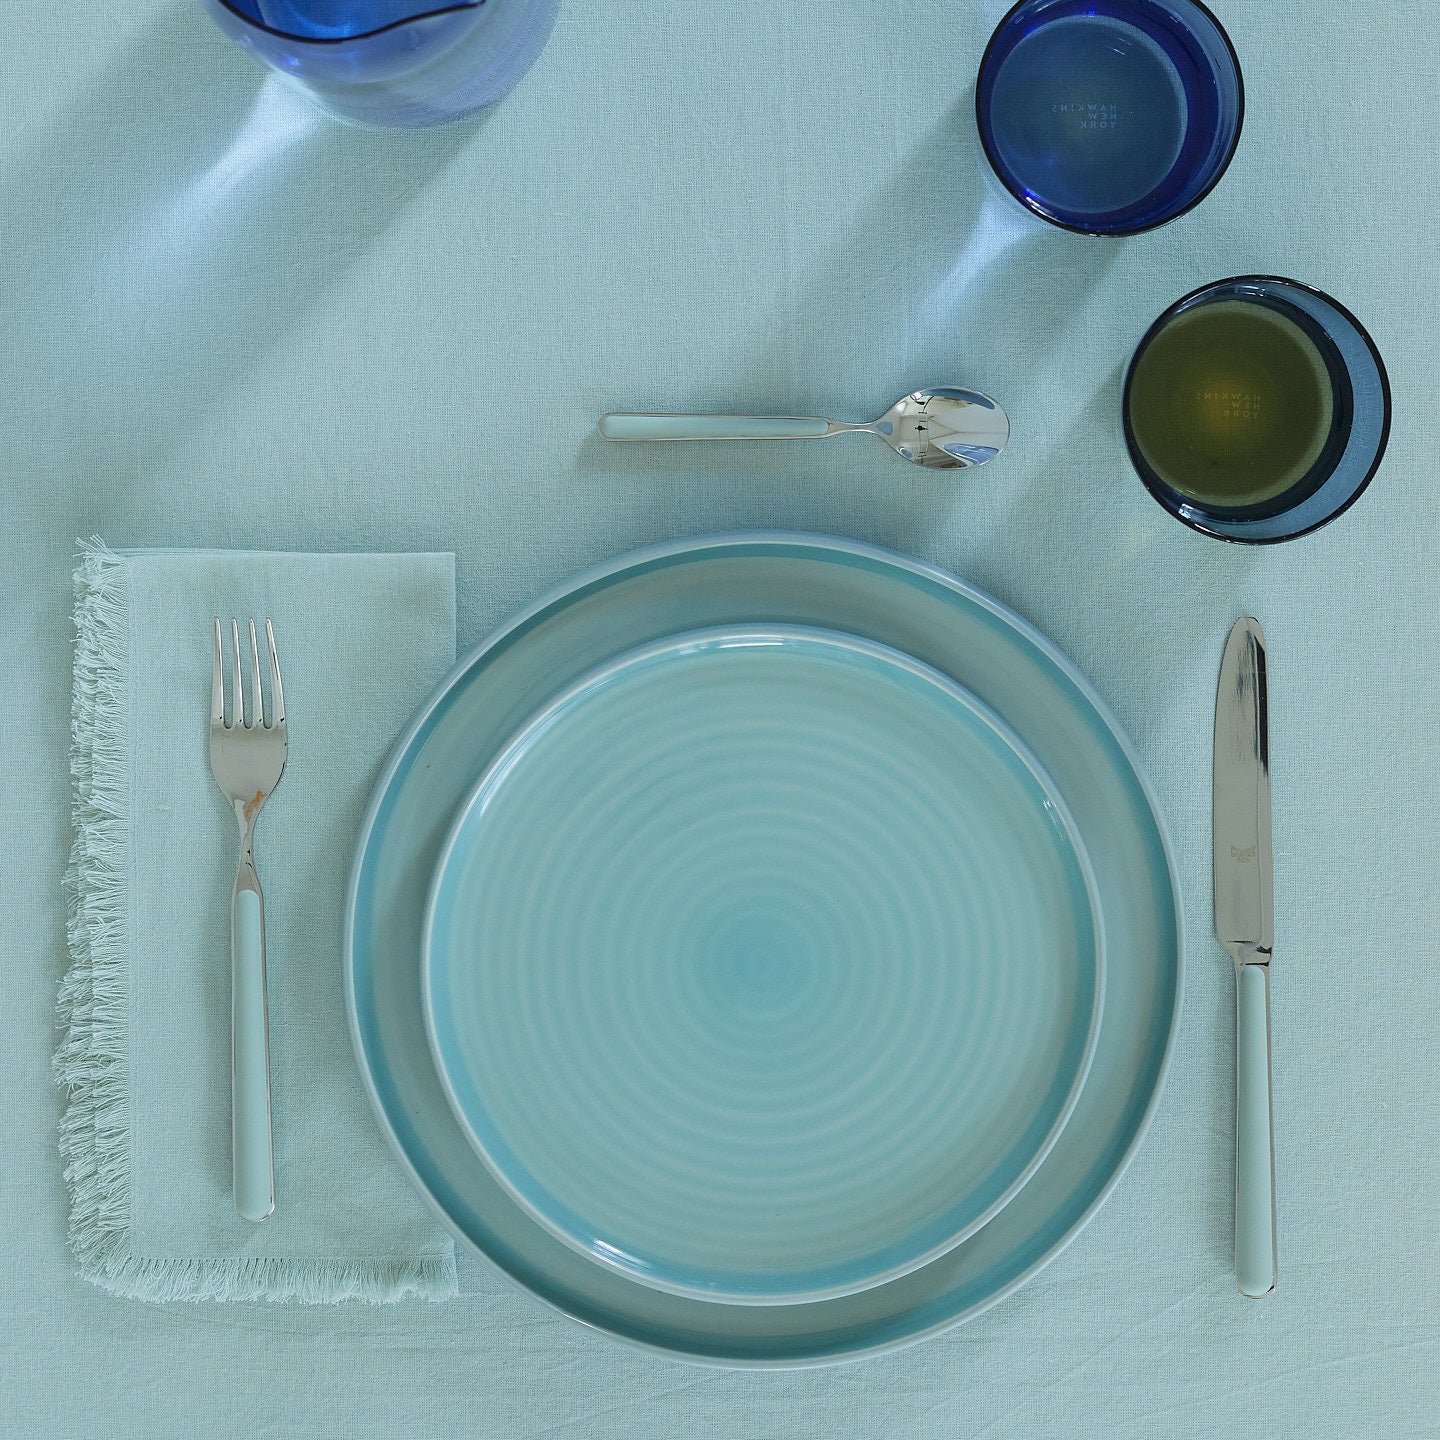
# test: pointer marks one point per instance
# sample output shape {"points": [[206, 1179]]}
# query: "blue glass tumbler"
{"points": [[1299, 377], [1109, 117], [406, 63]]}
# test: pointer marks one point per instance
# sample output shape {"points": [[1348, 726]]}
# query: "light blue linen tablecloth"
{"points": [[227, 323]]}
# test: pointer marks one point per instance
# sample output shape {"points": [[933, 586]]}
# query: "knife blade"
{"points": [[1244, 925]]}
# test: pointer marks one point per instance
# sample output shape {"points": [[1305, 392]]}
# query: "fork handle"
{"points": [[250, 1054]]}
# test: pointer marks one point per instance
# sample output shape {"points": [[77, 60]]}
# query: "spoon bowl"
{"points": [[944, 429]]}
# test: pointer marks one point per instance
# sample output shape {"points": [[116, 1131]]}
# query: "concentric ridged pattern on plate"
{"points": [[762, 965]]}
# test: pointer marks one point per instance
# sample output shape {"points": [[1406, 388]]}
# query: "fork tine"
{"points": [[217, 686], [277, 693], [237, 703], [257, 710]]}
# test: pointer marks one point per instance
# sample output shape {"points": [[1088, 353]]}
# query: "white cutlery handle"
{"points": [[250, 1056], [1254, 1136], [713, 427]]}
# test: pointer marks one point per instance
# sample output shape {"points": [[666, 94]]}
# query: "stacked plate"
{"points": [[764, 949]]}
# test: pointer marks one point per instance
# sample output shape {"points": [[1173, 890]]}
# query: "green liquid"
{"points": [[1232, 404]]}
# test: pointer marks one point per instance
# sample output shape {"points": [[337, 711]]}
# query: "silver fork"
{"points": [[247, 758]]}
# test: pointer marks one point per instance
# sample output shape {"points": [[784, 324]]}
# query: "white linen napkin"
{"points": [[145, 1005]]}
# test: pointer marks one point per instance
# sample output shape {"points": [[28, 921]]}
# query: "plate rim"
{"points": [[571, 588], [1093, 970]]}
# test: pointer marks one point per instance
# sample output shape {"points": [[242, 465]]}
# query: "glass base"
{"points": [[432, 69], [1357, 434], [1109, 117]]}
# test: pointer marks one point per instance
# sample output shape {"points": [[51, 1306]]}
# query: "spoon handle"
{"points": [[715, 427]]}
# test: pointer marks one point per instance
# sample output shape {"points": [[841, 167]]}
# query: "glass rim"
{"points": [[254, 24], [1122, 232], [1199, 522]]}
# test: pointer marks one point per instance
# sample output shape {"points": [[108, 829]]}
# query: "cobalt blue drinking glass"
{"points": [[1320, 397], [403, 63], [1109, 117]]}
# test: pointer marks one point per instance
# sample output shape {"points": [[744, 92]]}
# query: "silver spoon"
{"points": [[941, 429]]}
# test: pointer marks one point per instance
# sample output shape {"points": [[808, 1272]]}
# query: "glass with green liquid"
{"points": [[1256, 409]]}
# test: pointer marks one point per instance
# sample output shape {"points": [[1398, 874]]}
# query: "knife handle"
{"points": [[1254, 1136]]}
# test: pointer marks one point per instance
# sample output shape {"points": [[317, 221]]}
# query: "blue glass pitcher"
{"points": [[393, 62]]}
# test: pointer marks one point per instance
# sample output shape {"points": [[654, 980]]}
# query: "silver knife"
{"points": [[1244, 924]]}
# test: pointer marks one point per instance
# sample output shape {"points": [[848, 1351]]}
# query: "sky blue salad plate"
{"points": [[763, 964], [765, 579]]}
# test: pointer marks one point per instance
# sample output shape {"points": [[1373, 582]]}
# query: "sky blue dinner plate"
{"points": [[766, 579], [763, 964]]}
